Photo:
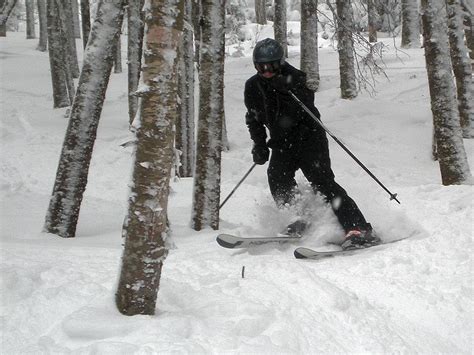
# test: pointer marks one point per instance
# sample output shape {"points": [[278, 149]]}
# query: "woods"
{"points": [[178, 50]]}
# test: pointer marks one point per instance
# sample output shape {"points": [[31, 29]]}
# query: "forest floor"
{"points": [[414, 296]]}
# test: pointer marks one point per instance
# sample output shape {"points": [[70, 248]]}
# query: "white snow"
{"points": [[414, 296]]}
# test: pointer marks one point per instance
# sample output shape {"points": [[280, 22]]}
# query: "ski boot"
{"points": [[358, 239]]}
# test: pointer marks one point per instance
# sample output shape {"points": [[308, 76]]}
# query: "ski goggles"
{"points": [[271, 67]]}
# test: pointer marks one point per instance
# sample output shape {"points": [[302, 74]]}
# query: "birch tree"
{"points": [[185, 122], [309, 43], [279, 25], [30, 19], [410, 24], [345, 48], [86, 21], [6, 7], [206, 194], [57, 59], [73, 168], [145, 227], [43, 26], [260, 12], [135, 26], [461, 67], [451, 154], [372, 20]]}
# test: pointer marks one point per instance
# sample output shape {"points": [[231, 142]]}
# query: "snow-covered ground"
{"points": [[414, 296]]}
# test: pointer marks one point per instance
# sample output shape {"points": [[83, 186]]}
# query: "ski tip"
{"points": [[298, 255], [226, 244]]}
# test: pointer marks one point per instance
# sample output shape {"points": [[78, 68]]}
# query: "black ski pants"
{"points": [[314, 162]]}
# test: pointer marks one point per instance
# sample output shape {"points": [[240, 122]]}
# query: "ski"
{"points": [[233, 242], [308, 253]]}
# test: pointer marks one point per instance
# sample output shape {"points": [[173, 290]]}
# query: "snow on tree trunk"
{"points": [[461, 67], [134, 53], [260, 12], [73, 168], [30, 19], [145, 227], [75, 18], [86, 21], [185, 122], [43, 26], [410, 24], [345, 48], [57, 58], [450, 148], [309, 43], [207, 174], [279, 25], [372, 20]]}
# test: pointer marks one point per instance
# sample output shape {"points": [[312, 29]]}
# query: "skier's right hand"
{"points": [[260, 154]]}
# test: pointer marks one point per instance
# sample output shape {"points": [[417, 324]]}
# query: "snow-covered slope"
{"points": [[414, 296]]}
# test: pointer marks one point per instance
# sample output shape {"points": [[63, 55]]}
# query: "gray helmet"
{"points": [[268, 50]]}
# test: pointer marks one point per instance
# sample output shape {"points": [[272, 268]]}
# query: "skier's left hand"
{"points": [[282, 83]]}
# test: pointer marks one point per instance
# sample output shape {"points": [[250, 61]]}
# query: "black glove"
{"points": [[260, 154], [282, 83]]}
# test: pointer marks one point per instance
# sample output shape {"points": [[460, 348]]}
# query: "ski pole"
{"points": [[238, 184], [318, 121]]}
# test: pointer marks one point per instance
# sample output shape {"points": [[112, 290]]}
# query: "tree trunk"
{"points": [[410, 24], [461, 67], [145, 227], [469, 28], [68, 29], [43, 26], [197, 14], [372, 20], [71, 176], [6, 7], [86, 21], [134, 48], [260, 12], [211, 114], [185, 122], [451, 154], [57, 58], [309, 43], [345, 48], [118, 56], [279, 25], [30, 19], [65, 44], [75, 19]]}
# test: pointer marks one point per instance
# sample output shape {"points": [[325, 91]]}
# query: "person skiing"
{"points": [[296, 141]]}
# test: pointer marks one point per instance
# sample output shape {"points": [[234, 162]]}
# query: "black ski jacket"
{"points": [[286, 121]]}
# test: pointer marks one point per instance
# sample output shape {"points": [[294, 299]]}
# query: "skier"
{"points": [[296, 141]]}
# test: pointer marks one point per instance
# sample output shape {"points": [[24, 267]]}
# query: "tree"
{"points": [[43, 26], [279, 25], [60, 74], [135, 26], [185, 121], [211, 113], [410, 24], [260, 12], [345, 48], [145, 227], [75, 18], [372, 20], [468, 8], [309, 43], [86, 21], [451, 154], [118, 56], [6, 7], [30, 19], [461, 67], [73, 168]]}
